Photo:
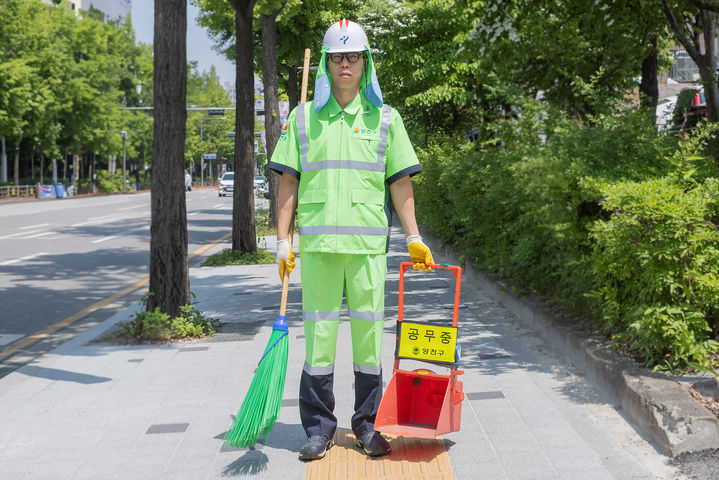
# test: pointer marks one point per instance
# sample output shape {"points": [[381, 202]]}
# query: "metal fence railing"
{"points": [[31, 191], [18, 191]]}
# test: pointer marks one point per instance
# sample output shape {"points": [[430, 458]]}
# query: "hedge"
{"points": [[611, 220]]}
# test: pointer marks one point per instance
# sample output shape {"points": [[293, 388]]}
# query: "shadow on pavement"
{"points": [[62, 375]]}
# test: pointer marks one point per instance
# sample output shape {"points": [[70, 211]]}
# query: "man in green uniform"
{"points": [[342, 157]]}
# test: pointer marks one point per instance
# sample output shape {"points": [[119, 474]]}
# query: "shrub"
{"points": [[192, 323], [608, 218], [108, 182], [148, 326], [655, 267], [157, 326]]}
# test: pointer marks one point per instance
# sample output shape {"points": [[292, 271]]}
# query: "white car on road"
{"points": [[227, 184]]}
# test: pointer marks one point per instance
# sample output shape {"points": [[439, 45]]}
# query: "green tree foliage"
{"points": [[64, 77], [206, 133]]}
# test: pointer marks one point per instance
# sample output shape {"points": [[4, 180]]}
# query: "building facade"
{"points": [[110, 10]]}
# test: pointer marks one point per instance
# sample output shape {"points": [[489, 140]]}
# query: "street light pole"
{"points": [[124, 137]]}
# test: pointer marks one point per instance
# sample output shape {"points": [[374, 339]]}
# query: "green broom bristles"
{"points": [[262, 403]]}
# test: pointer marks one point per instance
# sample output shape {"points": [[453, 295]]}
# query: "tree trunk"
{"points": [[704, 21], [64, 166], [243, 202], [649, 87], [292, 86], [93, 174], [169, 272], [16, 164], [707, 70], [42, 167], [272, 114]]}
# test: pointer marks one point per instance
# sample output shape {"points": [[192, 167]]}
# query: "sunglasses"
{"points": [[352, 57]]}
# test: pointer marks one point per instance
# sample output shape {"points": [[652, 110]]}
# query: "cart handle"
{"points": [[456, 271]]}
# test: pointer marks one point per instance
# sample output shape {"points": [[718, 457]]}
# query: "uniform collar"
{"points": [[352, 108]]}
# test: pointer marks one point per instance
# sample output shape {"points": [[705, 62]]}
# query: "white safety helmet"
{"points": [[346, 36]]}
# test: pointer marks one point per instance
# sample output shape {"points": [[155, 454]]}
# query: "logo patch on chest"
{"points": [[364, 131]]}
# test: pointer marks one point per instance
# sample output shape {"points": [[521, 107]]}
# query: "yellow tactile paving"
{"points": [[410, 459]]}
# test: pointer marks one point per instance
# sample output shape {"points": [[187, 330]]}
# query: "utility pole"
{"points": [[124, 137]]}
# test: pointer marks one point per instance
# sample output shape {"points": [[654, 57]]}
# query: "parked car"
{"points": [[259, 184], [188, 181], [665, 112], [689, 109], [264, 191], [227, 184], [694, 112]]}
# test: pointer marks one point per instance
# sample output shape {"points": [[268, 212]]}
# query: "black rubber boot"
{"points": [[315, 447], [373, 444]]}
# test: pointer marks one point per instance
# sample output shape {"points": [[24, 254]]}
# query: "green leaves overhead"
{"points": [[64, 77]]}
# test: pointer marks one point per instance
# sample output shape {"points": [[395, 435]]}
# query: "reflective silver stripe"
{"points": [[320, 316], [339, 230], [378, 166], [383, 134], [346, 164], [367, 316], [302, 135], [325, 370], [368, 369]]}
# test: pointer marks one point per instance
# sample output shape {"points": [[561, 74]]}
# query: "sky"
{"points": [[199, 44]]}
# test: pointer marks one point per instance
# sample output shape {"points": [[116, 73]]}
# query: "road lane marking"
{"points": [[101, 217], [40, 234], [131, 208], [19, 234], [49, 330], [100, 240], [191, 214], [98, 220], [29, 257], [34, 226], [210, 245]]}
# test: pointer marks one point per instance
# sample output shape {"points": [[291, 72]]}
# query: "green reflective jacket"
{"points": [[344, 161]]}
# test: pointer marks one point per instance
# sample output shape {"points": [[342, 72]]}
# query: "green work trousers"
{"points": [[325, 276]]}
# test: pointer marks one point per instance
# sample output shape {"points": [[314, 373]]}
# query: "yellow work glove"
{"points": [[285, 257], [419, 253]]}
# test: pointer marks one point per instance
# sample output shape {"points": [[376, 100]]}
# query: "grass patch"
{"points": [[158, 327], [234, 257]]}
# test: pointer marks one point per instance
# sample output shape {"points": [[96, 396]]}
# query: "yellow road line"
{"points": [[210, 245], [49, 330]]}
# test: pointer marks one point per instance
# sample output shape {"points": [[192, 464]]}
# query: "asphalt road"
{"points": [[58, 257]]}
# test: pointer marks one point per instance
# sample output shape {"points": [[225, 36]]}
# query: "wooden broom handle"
{"points": [[305, 76], [286, 278], [303, 99]]}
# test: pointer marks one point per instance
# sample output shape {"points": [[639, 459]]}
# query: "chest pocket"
{"points": [[364, 147]]}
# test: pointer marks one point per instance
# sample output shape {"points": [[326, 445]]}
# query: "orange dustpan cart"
{"points": [[421, 403]]}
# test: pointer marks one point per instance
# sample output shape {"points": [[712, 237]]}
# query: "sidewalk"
{"points": [[97, 411]]}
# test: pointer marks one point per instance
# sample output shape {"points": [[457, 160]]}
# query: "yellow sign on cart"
{"points": [[424, 341]]}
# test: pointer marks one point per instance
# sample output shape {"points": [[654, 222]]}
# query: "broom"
{"points": [[262, 403]]}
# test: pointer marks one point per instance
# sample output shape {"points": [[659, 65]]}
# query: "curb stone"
{"points": [[663, 410]]}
